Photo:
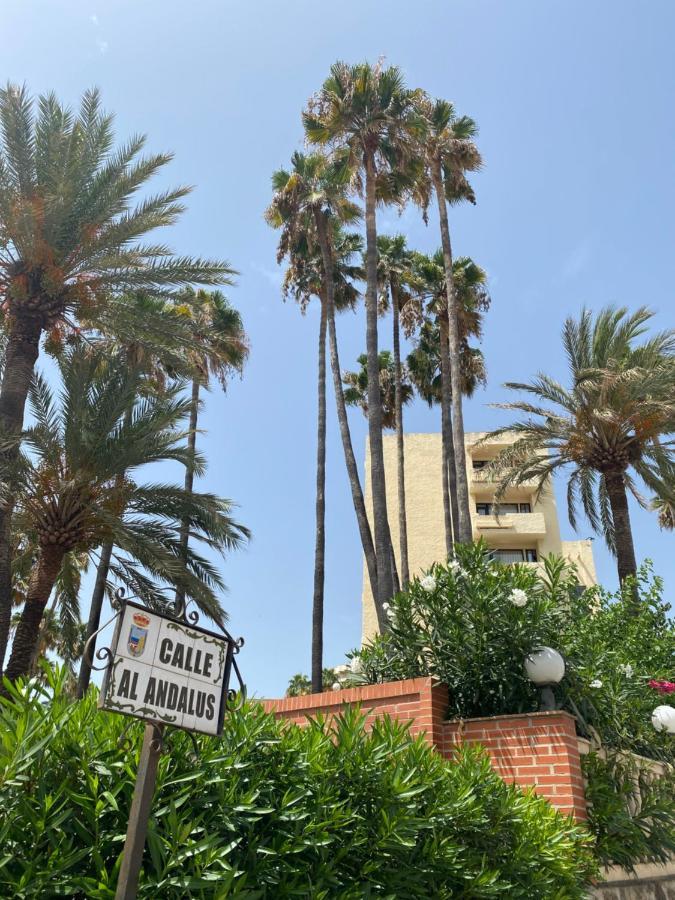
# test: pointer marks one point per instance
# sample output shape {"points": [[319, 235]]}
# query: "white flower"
{"points": [[337, 686], [390, 613], [428, 583], [454, 566], [627, 670], [385, 606], [595, 684], [356, 665], [518, 597]]}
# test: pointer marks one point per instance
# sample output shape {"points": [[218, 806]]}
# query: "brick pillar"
{"points": [[538, 750]]}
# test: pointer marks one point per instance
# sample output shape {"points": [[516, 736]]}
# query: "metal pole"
{"points": [[137, 829]]}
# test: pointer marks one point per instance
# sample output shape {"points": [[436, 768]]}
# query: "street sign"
{"points": [[167, 671]]}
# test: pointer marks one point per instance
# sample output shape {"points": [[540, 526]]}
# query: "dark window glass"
{"points": [[480, 463], [483, 509], [508, 557], [525, 508]]}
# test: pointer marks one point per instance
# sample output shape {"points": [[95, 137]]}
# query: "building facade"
{"points": [[525, 529]]}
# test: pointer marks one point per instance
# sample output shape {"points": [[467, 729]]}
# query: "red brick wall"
{"points": [[537, 750], [418, 701]]}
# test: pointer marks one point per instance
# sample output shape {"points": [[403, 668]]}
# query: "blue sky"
{"points": [[574, 104]]}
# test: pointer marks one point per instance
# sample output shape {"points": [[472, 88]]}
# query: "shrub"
{"points": [[631, 811], [460, 623], [269, 810]]}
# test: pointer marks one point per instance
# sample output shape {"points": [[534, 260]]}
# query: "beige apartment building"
{"points": [[525, 530]]}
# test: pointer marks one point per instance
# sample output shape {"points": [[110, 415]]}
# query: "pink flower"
{"points": [[663, 687]]}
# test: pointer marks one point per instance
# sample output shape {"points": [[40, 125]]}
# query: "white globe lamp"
{"points": [[663, 719], [545, 668]]}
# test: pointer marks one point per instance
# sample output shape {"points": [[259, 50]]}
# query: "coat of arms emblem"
{"points": [[138, 634]]}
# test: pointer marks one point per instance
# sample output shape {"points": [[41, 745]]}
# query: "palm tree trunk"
{"points": [[623, 534], [94, 620], [184, 537], [450, 503], [97, 597], [464, 527], [320, 542], [398, 400], [20, 358], [396, 584], [343, 421], [28, 630], [377, 476]]}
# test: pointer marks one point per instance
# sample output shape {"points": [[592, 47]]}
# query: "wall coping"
{"points": [[382, 690], [537, 714]]}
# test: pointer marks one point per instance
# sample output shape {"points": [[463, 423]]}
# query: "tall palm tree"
{"points": [[430, 363], [160, 352], [70, 244], [394, 271], [309, 205], [74, 498], [303, 280], [221, 350], [615, 421], [367, 112], [449, 152]]}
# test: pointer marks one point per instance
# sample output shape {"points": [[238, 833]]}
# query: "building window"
{"points": [[508, 557], [503, 509], [480, 463]]}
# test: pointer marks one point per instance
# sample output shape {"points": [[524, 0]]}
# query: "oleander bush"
{"points": [[631, 810], [472, 621], [270, 810]]}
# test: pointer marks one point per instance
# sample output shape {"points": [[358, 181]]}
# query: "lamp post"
{"points": [[545, 668], [663, 719]]}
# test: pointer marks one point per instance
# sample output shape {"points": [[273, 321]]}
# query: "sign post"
{"points": [[132, 857], [168, 671]]}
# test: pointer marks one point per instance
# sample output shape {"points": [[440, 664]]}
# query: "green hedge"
{"points": [[269, 810]]}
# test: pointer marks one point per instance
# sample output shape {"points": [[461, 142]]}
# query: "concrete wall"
{"points": [[539, 530]]}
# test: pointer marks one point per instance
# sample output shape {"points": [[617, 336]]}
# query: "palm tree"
{"points": [[80, 489], [222, 350], [449, 152], [62, 629], [160, 352], [300, 685], [606, 428], [53, 637], [394, 262], [70, 244], [356, 384], [430, 363], [309, 205], [665, 509], [367, 113]]}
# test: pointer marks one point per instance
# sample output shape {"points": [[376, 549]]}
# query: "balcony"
{"points": [[510, 525], [480, 479]]}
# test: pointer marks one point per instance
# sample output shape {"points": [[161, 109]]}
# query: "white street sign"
{"points": [[166, 671]]}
